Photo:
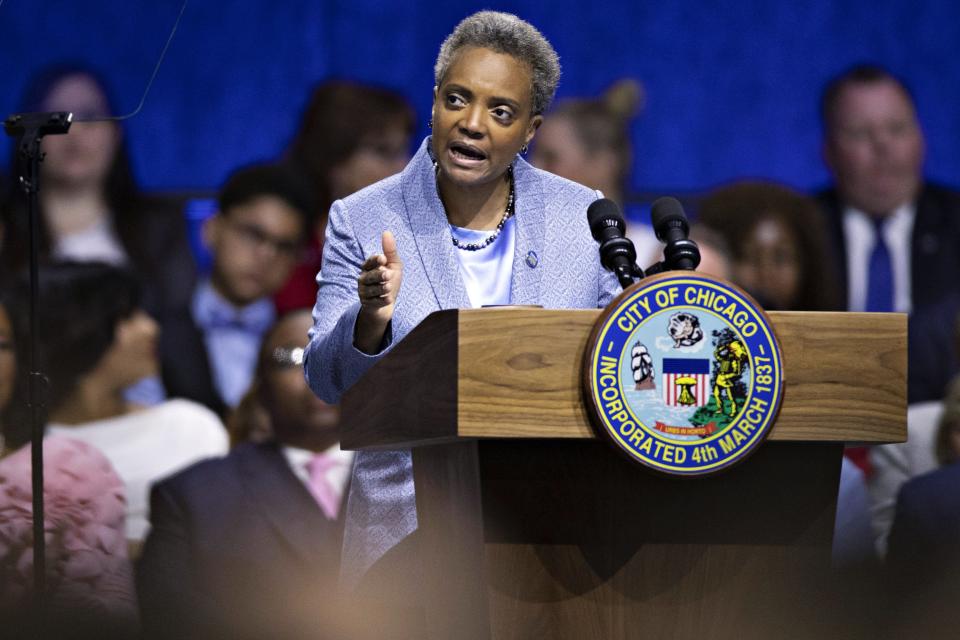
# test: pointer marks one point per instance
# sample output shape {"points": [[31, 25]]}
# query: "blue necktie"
{"points": [[880, 273]]}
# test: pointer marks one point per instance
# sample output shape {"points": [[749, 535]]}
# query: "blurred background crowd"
{"points": [[172, 318]]}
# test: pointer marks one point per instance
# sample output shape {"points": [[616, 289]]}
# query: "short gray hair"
{"points": [[505, 33]]}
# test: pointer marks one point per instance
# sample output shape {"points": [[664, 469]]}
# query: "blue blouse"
{"points": [[487, 273]]}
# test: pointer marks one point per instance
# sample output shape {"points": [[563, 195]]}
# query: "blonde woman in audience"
{"points": [[587, 140]]}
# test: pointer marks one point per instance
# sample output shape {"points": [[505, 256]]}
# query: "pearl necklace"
{"points": [[486, 242]]}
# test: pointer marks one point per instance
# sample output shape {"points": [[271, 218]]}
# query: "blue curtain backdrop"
{"points": [[732, 85]]}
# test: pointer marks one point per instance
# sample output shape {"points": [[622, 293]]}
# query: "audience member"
{"points": [[923, 555], [715, 258], [895, 464], [874, 148], [91, 207], [94, 341], [947, 444], [209, 349], [777, 243], [89, 579], [780, 256], [249, 545], [894, 234], [933, 349], [249, 422], [587, 140], [351, 136]]}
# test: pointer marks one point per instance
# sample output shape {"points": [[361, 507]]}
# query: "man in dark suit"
{"points": [[934, 349], [925, 537], [248, 546], [874, 148], [209, 348], [923, 555]]}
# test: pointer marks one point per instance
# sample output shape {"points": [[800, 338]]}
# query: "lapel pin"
{"points": [[532, 259]]}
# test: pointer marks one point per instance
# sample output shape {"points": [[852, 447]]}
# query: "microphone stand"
{"points": [[683, 255], [29, 129], [627, 276]]}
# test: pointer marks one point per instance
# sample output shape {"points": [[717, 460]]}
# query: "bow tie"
{"points": [[255, 318]]}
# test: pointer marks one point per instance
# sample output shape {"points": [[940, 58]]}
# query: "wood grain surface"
{"points": [[515, 373]]}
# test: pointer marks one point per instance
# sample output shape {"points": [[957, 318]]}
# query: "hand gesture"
{"points": [[377, 286]]}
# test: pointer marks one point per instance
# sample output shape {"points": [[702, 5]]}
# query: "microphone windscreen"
{"points": [[604, 213], [665, 210]]}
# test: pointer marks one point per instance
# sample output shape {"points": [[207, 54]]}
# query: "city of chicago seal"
{"points": [[683, 372]]}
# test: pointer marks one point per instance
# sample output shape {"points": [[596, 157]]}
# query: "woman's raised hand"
{"points": [[377, 286]]}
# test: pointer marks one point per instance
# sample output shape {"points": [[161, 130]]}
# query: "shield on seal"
{"points": [[686, 381]]}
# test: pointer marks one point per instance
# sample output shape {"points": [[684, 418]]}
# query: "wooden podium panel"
{"points": [[515, 373]]}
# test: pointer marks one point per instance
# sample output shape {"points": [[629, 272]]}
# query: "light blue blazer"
{"points": [[556, 265]]}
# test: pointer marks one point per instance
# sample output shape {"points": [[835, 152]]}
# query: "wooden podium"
{"points": [[530, 526]]}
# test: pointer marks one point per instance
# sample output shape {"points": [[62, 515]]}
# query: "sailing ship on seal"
{"points": [[641, 362]]}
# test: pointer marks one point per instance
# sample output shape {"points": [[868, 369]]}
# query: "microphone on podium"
{"points": [[671, 227], [617, 252]]}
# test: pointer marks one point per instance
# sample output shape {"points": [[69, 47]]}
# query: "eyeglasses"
{"points": [[286, 357], [255, 237]]}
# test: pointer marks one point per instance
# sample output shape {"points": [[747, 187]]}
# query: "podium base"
{"points": [[570, 539]]}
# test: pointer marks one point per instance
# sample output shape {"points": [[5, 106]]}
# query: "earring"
{"points": [[430, 124], [524, 149]]}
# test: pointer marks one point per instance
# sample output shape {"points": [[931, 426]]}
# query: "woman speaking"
{"points": [[467, 223]]}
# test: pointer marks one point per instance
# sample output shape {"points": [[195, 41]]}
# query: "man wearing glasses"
{"points": [[209, 351], [248, 545]]}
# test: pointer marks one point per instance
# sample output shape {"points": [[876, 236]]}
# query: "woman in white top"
{"points": [[95, 341]]}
